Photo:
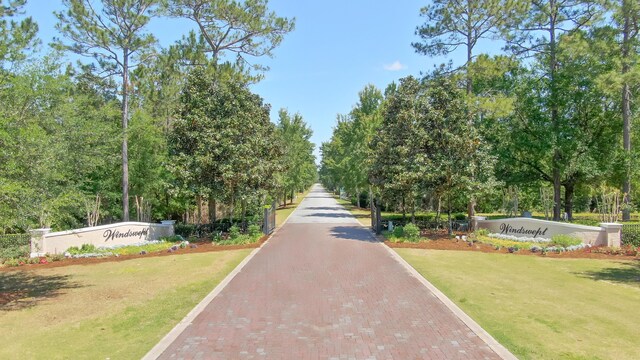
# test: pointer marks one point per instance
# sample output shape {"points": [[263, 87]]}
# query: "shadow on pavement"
{"points": [[24, 289], [327, 208], [331, 215], [352, 233]]}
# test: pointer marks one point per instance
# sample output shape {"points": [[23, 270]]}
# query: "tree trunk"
{"points": [[199, 209], [125, 125], [212, 210], [371, 204], [232, 210], [449, 214], [557, 193], [555, 116], [626, 110], [244, 215], [568, 200], [404, 210], [357, 198], [439, 209], [413, 212]]}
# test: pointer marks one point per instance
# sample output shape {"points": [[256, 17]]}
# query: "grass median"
{"points": [[116, 310], [541, 308]]}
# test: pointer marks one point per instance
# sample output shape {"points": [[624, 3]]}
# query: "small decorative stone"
{"points": [[193, 246], [143, 252]]}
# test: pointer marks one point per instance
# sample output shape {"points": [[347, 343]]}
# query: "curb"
{"points": [[168, 339], [498, 348]]}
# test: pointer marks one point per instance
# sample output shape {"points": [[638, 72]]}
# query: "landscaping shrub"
{"points": [[137, 249], [565, 240], [460, 217], [398, 231], [83, 249], [412, 232], [632, 239], [234, 232], [13, 252], [482, 232], [254, 230], [174, 238], [185, 230]]}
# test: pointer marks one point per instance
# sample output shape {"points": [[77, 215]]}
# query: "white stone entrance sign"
{"points": [[607, 234], [126, 233]]}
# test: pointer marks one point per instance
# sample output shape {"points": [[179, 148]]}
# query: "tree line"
{"points": [[550, 116], [167, 130]]}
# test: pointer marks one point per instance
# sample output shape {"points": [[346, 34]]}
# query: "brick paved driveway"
{"points": [[322, 289]]}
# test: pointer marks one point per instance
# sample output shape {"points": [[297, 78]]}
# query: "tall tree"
{"points": [[244, 28], [535, 32], [451, 24], [114, 36], [298, 160], [627, 17], [17, 37], [222, 140]]}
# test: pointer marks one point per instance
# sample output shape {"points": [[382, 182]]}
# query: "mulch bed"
{"points": [[441, 241], [203, 246]]}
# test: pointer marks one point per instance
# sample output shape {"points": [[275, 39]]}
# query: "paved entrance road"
{"points": [[321, 288]]}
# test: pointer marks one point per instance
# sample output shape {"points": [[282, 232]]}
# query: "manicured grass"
{"points": [[363, 215], [283, 213], [116, 310], [541, 308]]}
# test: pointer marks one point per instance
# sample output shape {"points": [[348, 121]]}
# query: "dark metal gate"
{"points": [[376, 218], [269, 222]]}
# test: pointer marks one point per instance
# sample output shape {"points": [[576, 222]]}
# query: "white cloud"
{"points": [[396, 66]]}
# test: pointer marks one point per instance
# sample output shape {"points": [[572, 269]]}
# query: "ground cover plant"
{"points": [[236, 237], [557, 243], [407, 233], [70, 311], [538, 307]]}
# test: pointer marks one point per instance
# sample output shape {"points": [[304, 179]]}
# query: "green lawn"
{"points": [[116, 310], [541, 308]]}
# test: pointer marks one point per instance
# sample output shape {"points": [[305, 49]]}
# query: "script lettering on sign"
{"points": [[115, 234], [507, 229]]}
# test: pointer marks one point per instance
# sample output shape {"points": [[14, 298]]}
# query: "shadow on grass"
{"points": [[352, 233], [25, 289], [628, 274]]}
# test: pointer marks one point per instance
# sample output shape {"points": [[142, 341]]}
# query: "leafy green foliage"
{"points": [[83, 249], [565, 240], [298, 162], [398, 231], [222, 144], [149, 248], [242, 28], [234, 232], [412, 232]]}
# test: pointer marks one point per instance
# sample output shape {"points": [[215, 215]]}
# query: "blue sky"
{"points": [[337, 48]]}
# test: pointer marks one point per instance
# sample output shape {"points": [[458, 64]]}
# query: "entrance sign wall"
{"points": [[607, 234], [126, 233]]}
